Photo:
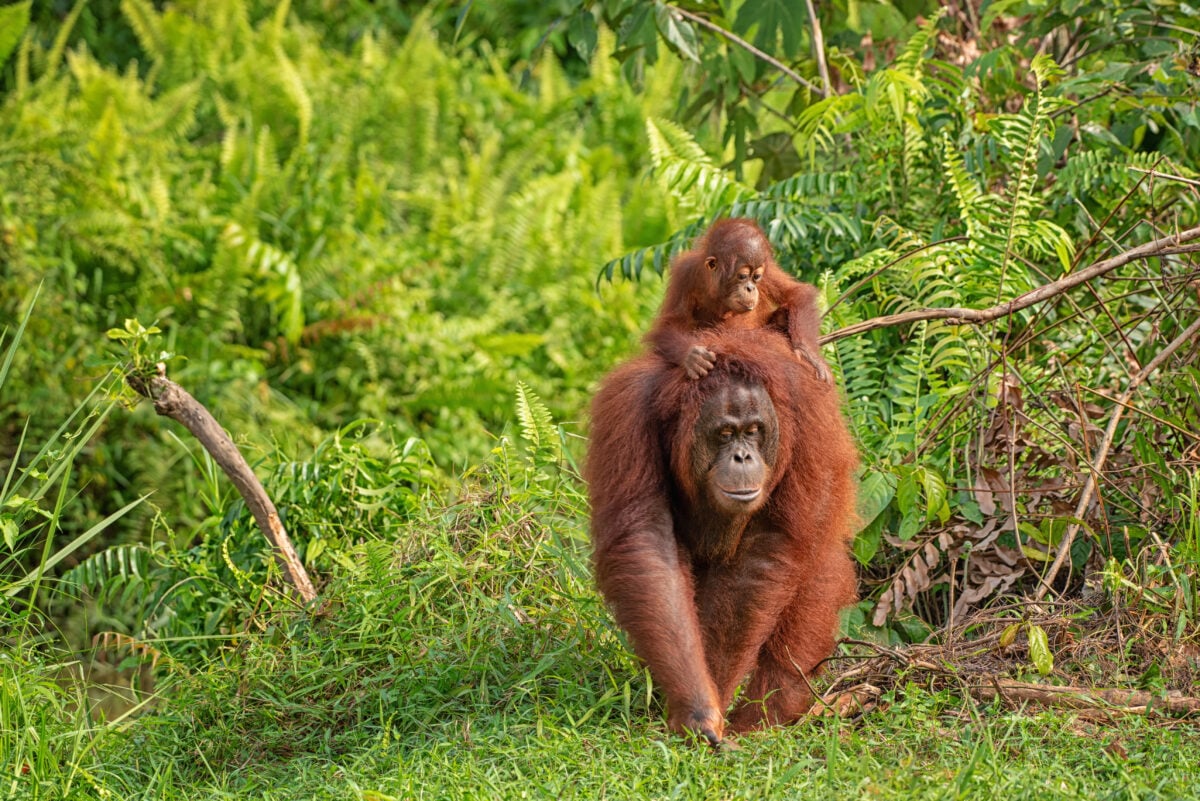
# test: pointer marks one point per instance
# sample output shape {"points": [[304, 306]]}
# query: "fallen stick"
{"points": [[1127, 702], [175, 402]]}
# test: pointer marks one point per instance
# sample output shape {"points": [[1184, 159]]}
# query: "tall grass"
{"points": [[46, 736]]}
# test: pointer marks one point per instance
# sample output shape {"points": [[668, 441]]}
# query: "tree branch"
{"points": [[742, 43], [1164, 246], [172, 400], [819, 48]]}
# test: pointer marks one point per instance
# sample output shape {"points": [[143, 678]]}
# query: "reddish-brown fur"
{"points": [[763, 600], [698, 297]]}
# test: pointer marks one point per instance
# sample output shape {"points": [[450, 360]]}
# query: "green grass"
{"points": [[468, 656], [925, 746]]}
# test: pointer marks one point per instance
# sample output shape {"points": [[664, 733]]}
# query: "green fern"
{"points": [[908, 389], [911, 60], [861, 374], [278, 278], [537, 424], [147, 26], [115, 573], [687, 172]]}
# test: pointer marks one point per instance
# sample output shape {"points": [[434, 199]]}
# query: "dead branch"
{"points": [[1167, 175], [173, 401], [1164, 246], [1101, 456], [1107, 699]]}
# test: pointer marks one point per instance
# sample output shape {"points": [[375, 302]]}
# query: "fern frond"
{"points": [[278, 276], [858, 363], [1021, 135], [810, 186], [818, 124], [631, 265], [537, 424], [55, 56], [118, 562], [907, 378], [912, 58], [147, 27], [687, 172], [966, 190], [293, 84]]}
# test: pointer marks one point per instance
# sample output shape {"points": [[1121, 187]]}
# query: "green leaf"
{"points": [[935, 492], [1034, 553], [912, 523], [13, 21], [677, 31], [1039, 650], [9, 527], [765, 21], [1009, 635], [581, 33], [866, 543], [875, 492], [907, 493]]}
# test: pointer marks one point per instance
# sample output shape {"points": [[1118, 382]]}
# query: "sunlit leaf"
{"points": [[13, 21], [1039, 650]]}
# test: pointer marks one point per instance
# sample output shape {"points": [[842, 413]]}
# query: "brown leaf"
{"points": [[983, 495], [857, 700], [884, 605]]}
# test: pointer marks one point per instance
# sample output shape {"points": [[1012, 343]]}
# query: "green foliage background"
{"points": [[393, 247]]}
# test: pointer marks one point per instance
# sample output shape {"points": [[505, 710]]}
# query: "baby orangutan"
{"points": [[730, 280]]}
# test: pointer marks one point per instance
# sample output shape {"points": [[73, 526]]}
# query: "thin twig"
{"points": [[1165, 246], [1097, 466], [1134, 702], [1162, 422], [742, 43], [819, 48], [1103, 227], [1167, 175]]}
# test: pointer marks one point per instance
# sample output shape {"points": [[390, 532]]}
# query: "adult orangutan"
{"points": [[722, 509], [730, 280]]}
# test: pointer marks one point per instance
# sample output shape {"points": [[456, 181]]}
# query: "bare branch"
{"points": [[819, 48], [1114, 700], [172, 400], [1165, 246], [1167, 175]]}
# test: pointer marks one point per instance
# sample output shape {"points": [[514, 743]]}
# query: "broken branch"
{"points": [[1112, 700], [175, 402]]}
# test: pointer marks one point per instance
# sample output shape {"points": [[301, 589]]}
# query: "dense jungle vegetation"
{"points": [[394, 247]]}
